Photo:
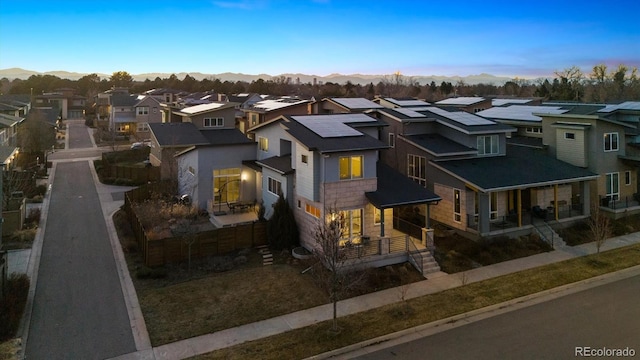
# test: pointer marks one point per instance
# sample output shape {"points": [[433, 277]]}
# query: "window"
{"points": [[377, 216], [417, 169], [275, 187], [350, 167], [254, 119], [213, 122], [142, 110], [191, 170], [456, 205], [299, 204], [392, 140], [263, 144], [533, 130], [488, 145], [352, 226], [494, 205], [570, 136], [143, 127], [155, 109], [312, 210], [613, 186], [627, 177], [226, 185], [122, 128], [304, 158], [611, 141]]}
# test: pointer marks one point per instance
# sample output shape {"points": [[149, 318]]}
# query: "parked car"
{"points": [[140, 145]]}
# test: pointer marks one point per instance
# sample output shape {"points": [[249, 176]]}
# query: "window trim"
{"points": [[263, 143], [420, 166], [457, 203], [392, 140], [569, 135], [627, 177], [142, 110], [304, 158], [351, 167], [271, 183], [609, 183], [494, 149], [312, 210], [213, 122], [609, 142]]}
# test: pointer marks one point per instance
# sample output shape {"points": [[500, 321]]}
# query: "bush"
{"points": [[12, 306], [33, 218]]}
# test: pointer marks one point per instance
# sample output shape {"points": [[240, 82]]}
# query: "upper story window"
{"points": [[213, 122], [304, 158], [392, 140], [488, 145], [263, 144], [611, 141], [142, 110], [275, 186], [534, 130], [351, 167], [417, 169], [570, 136]]}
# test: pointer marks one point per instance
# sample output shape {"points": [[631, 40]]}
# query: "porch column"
{"points": [[586, 198], [483, 213], [427, 223], [555, 201], [381, 223]]}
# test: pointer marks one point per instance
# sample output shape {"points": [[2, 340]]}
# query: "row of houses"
{"points": [[392, 167]]}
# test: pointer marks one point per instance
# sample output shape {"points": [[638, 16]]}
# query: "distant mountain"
{"points": [[361, 79]]}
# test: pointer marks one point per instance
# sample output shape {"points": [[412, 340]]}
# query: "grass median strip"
{"points": [[359, 327]]}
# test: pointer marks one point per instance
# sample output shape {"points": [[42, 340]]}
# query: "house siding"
{"points": [[571, 151]]}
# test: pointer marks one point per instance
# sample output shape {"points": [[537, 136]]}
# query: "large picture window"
{"points": [[488, 145], [351, 167], [352, 226], [226, 185], [611, 141], [417, 169], [612, 184]]}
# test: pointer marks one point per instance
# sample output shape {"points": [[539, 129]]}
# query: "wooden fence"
{"points": [[157, 252], [134, 173]]}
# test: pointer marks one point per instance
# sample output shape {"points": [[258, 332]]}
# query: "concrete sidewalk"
{"points": [[435, 283]]}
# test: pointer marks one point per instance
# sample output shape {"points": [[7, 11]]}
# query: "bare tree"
{"points": [[338, 277], [600, 227], [189, 234]]}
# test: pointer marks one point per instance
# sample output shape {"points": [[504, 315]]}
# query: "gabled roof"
{"points": [[354, 103], [177, 134], [145, 98], [279, 164], [461, 101], [395, 189], [521, 167]]}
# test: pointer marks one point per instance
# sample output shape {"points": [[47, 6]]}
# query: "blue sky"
{"points": [[319, 37]]}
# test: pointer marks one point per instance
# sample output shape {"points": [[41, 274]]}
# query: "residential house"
{"points": [[389, 102], [164, 95], [486, 186], [274, 107], [131, 114], [15, 104], [342, 106], [147, 111], [71, 106], [470, 104], [168, 139], [9, 129], [599, 144], [327, 165], [522, 117], [213, 171], [213, 115]]}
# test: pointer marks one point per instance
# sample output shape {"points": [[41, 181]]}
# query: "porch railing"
{"points": [[414, 255], [615, 203]]}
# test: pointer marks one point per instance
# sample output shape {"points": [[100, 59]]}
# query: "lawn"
{"points": [[315, 339]]}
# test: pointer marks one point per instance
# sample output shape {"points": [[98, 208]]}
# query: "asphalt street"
{"points": [[78, 310], [602, 317]]}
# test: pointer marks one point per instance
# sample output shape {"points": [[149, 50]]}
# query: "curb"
{"points": [[420, 331]]}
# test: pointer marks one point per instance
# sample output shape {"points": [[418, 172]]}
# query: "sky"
{"points": [[319, 37]]}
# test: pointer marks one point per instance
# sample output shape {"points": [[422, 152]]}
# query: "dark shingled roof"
{"points": [[522, 166], [315, 142], [438, 144], [123, 100], [225, 137], [395, 189], [177, 134], [525, 141], [281, 164]]}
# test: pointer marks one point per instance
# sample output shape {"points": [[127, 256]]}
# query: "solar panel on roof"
{"points": [[462, 117], [520, 112], [462, 100], [357, 103], [627, 105], [332, 125], [409, 112]]}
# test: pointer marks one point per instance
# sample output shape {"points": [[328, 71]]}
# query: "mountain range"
{"points": [[361, 79]]}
